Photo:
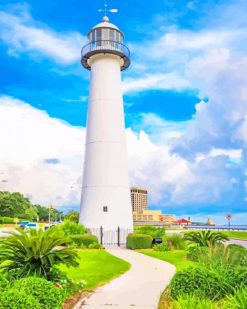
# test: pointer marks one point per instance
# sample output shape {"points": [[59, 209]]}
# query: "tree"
{"points": [[13, 205], [35, 253], [205, 238], [72, 216]]}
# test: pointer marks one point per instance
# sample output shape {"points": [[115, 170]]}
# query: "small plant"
{"points": [[84, 241], [15, 299], [139, 241], [67, 286], [23, 254], [205, 238], [176, 241], [45, 292], [161, 247], [191, 301]]}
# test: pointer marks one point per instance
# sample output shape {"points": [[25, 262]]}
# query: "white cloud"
{"points": [[155, 81], [23, 34], [28, 138], [43, 157]]}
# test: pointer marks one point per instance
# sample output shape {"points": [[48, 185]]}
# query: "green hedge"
{"points": [[84, 240], [139, 241]]}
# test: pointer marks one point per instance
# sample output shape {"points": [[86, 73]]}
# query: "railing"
{"points": [[106, 45]]}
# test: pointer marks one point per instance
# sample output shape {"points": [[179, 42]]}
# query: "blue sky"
{"points": [[185, 100]]}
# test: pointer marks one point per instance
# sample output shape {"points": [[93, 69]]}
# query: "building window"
{"points": [[105, 209]]}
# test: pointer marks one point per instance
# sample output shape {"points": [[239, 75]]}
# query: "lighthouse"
{"points": [[105, 201]]}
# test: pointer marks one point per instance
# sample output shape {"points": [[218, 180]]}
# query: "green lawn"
{"points": [[233, 234], [175, 257], [96, 267]]}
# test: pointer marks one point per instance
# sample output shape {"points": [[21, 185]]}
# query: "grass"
{"points": [[96, 267], [233, 234], [175, 257]]}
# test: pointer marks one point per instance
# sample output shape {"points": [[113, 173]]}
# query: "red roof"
{"points": [[182, 221]]}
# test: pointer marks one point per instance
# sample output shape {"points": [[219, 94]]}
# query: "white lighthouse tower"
{"points": [[105, 202]]}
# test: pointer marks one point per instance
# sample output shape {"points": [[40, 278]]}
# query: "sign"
{"points": [[228, 216]]}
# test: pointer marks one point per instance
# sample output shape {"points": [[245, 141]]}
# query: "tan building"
{"points": [[139, 199], [153, 216]]}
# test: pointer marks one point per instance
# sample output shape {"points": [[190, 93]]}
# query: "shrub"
{"points": [[236, 301], [15, 299], [139, 241], [153, 231], [218, 255], [205, 238], [84, 240], [6, 220], [176, 241], [45, 292], [71, 228], [191, 301], [34, 253], [201, 282], [95, 245], [161, 247]]}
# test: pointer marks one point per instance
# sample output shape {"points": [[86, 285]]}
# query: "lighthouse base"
{"points": [[107, 210]]}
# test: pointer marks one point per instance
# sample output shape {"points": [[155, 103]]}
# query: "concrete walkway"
{"points": [[139, 288]]}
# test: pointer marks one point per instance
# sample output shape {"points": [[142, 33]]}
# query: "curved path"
{"points": [[139, 288]]}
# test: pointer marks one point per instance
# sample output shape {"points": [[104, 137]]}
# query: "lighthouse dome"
{"points": [[106, 24]]}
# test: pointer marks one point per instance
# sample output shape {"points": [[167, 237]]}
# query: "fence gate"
{"points": [[111, 237]]}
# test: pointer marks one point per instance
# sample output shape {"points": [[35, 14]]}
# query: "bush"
{"points": [[153, 231], [139, 241], [71, 228], [236, 301], [201, 282], [191, 301], [45, 292], [218, 255], [15, 299], [84, 240], [6, 220], [176, 241], [161, 247]]}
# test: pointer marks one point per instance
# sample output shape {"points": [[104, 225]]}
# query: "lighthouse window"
{"points": [[105, 209], [112, 38]]}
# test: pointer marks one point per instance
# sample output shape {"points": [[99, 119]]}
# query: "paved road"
{"points": [[139, 288], [238, 242]]}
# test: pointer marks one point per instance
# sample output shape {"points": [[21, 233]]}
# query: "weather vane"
{"points": [[106, 10]]}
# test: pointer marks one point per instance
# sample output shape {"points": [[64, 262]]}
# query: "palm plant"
{"points": [[35, 253], [205, 238]]}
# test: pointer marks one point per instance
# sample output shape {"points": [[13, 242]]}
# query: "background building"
{"points": [[141, 213], [139, 199]]}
